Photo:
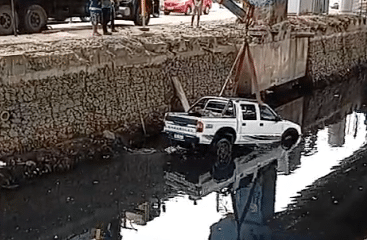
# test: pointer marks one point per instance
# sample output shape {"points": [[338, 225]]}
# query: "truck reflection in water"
{"points": [[253, 204], [250, 181]]}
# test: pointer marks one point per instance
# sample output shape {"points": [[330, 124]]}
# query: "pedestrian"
{"points": [[198, 6], [113, 15], [106, 15], [95, 15]]}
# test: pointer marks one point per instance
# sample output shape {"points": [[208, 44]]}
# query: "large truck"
{"points": [[31, 16]]}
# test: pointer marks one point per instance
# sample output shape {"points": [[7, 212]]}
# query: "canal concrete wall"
{"points": [[336, 54], [54, 91]]}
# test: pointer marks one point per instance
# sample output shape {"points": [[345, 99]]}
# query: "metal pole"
{"points": [[143, 13], [14, 18]]}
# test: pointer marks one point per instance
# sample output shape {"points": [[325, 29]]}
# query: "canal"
{"points": [[177, 194]]}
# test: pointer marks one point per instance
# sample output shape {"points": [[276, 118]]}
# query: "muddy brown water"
{"points": [[314, 191]]}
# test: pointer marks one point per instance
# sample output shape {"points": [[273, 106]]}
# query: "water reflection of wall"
{"points": [[336, 134], [290, 160], [90, 196], [253, 202], [331, 104]]}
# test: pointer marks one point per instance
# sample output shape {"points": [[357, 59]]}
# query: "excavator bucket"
{"points": [[268, 12]]}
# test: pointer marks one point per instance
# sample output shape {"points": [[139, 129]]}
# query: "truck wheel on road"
{"points": [[188, 11], [139, 19], [289, 138], [84, 19], [223, 150], [35, 19], [6, 20], [206, 10], [166, 12]]}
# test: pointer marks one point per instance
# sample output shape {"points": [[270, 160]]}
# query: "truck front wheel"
{"points": [[289, 138], [35, 19], [6, 20], [139, 18]]}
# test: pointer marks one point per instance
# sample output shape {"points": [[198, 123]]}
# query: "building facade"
{"points": [[300, 7], [353, 6]]}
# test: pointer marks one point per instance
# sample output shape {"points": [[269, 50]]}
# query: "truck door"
{"points": [[248, 123], [270, 127]]}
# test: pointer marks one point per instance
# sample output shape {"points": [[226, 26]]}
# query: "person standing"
{"points": [[198, 6], [95, 15], [113, 15], [106, 15]]}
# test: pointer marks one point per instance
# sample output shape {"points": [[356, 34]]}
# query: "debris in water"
{"points": [[172, 149]]}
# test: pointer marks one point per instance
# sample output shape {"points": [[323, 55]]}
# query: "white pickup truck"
{"points": [[222, 122]]}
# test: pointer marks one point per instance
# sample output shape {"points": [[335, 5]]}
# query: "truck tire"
{"points": [[206, 10], [85, 19], [139, 19], [289, 138], [223, 151], [6, 20], [188, 10], [166, 12], [35, 19]]}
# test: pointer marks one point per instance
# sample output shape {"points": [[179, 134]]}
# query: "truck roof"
{"points": [[232, 98]]}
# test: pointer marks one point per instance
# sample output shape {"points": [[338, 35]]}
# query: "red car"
{"points": [[184, 6]]}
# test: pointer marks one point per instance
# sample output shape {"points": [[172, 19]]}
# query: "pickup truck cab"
{"points": [[223, 122]]}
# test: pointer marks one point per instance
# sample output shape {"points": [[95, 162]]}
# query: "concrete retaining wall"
{"points": [[50, 96], [44, 111], [336, 54]]}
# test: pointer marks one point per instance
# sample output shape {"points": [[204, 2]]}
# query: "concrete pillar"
{"points": [[336, 134], [346, 6]]}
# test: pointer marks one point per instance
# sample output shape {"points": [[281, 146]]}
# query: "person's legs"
{"points": [[94, 20], [113, 20], [193, 15], [105, 19], [199, 13]]}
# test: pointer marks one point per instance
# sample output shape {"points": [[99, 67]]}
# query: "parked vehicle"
{"points": [[131, 10], [31, 15], [335, 6], [184, 6], [223, 122]]}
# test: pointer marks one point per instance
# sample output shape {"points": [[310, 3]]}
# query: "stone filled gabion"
{"points": [[51, 93]]}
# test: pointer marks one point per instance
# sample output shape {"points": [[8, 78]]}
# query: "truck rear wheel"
{"points": [[223, 150], [139, 18], [35, 19], [6, 20], [188, 10]]}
